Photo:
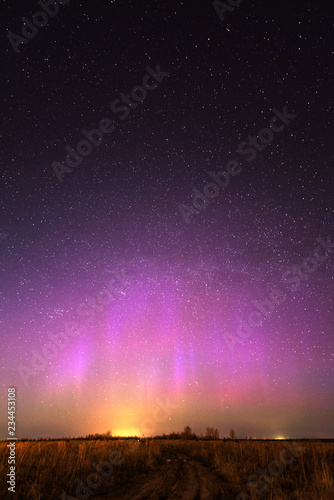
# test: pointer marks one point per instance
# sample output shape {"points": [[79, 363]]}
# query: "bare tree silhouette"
{"points": [[211, 433], [187, 432], [233, 434]]}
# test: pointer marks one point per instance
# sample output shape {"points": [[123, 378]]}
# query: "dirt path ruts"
{"points": [[180, 478]]}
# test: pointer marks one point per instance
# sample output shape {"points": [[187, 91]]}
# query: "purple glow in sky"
{"points": [[112, 305]]}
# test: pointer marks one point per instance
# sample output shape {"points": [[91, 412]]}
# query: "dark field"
{"points": [[167, 469]]}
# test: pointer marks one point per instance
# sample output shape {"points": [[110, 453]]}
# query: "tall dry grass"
{"points": [[45, 470], [308, 477]]}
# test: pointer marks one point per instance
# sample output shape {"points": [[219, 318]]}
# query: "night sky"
{"points": [[123, 288]]}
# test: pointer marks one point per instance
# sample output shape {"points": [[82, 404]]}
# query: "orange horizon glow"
{"points": [[126, 432]]}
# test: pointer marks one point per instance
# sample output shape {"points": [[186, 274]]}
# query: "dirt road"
{"points": [[180, 477]]}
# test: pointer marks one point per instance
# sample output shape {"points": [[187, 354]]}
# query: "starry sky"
{"points": [[129, 301]]}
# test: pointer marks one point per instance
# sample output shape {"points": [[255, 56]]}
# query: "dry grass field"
{"points": [[170, 469]]}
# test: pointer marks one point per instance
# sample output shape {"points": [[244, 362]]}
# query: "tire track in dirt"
{"points": [[180, 478]]}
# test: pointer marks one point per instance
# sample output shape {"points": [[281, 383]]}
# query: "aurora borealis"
{"points": [[115, 310]]}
